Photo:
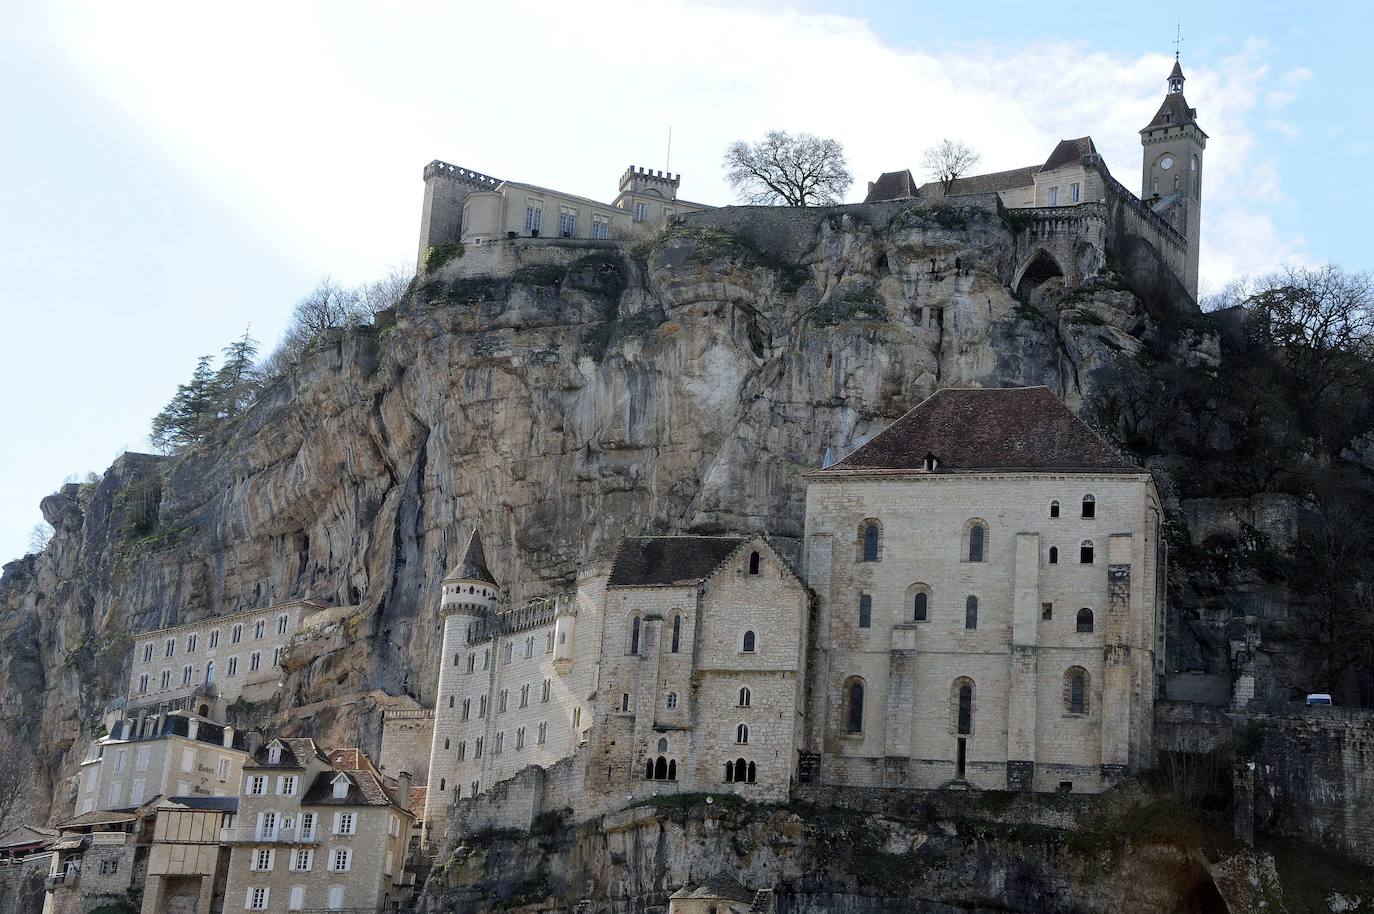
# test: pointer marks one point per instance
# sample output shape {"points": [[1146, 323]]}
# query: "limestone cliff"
{"points": [[558, 395]]}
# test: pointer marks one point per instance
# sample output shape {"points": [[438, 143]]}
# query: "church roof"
{"points": [[1069, 152], [989, 183], [1177, 71], [1025, 429], [663, 561], [719, 886], [892, 185], [1173, 112], [474, 564]]}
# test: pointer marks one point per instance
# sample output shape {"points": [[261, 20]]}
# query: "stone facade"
{"points": [[204, 666], [407, 736], [317, 831], [467, 206], [187, 865]]}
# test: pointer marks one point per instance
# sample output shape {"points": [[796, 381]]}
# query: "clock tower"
{"points": [[1172, 169]]}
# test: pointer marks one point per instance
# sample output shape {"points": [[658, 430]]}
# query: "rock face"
{"points": [[557, 394]]}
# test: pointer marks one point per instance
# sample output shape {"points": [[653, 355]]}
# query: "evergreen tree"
{"points": [[236, 382], [191, 412]]}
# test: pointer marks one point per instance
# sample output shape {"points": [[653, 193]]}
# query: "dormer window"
{"points": [[274, 754], [931, 463], [341, 784]]}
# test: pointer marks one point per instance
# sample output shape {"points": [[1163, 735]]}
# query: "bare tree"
{"points": [[788, 169], [948, 162], [39, 537], [388, 291]]}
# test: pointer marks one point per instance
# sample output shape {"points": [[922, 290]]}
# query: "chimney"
{"points": [[192, 727], [228, 736], [159, 721], [403, 789], [254, 741]]}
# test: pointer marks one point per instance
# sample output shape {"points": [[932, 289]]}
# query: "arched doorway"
{"points": [[1040, 267]]}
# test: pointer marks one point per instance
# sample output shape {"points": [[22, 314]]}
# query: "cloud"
{"points": [[313, 121]]}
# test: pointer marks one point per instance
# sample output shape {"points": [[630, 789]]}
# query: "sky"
{"points": [[174, 173]]}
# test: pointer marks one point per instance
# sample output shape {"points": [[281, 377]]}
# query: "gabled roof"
{"points": [[474, 564], [101, 817], [663, 561], [1069, 152], [365, 788], [25, 835], [892, 185], [1025, 429], [719, 886], [296, 754], [990, 183]]}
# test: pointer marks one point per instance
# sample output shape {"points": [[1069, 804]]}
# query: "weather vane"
{"points": [[1178, 37]]}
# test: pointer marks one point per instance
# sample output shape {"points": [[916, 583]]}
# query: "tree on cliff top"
{"points": [[948, 162], [788, 169], [210, 397]]}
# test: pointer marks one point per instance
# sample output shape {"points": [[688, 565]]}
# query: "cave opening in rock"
{"points": [[1041, 267]]}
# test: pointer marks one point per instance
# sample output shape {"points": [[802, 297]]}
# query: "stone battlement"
{"points": [[438, 168], [537, 612]]}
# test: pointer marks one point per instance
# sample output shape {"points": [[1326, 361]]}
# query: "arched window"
{"points": [[753, 563], [742, 734], [1089, 506], [870, 540], [748, 642], [919, 597], [854, 705], [744, 697], [677, 632], [634, 635], [1085, 620], [971, 612], [865, 610], [663, 744], [672, 769], [976, 536], [1054, 509], [1054, 555], [730, 772], [661, 769], [1076, 690], [648, 769], [210, 672], [962, 706], [672, 700], [752, 773], [1085, 552]]}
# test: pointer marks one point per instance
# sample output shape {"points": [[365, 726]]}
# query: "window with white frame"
{"points": [[136, 792], [342, 860], [601, 227], [141, 761], [286, 785], [340, 793], [121, 759], [274, 753], [534, 216], [307, 826], [302, 860], [257, 899], [116, 791], [1074, 193], [567, 222], [224, 770], [336, 897], [1054, 196], [344, 823], [297, 898], [639, 212], [267, 826], [257, 785], [263, 858]]}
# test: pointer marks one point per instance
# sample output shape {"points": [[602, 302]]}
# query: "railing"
{"points": [[68, 877], [1143, 210], [250, 835]]}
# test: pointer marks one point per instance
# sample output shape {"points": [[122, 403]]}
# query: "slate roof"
{"points": [[718, 886], [474, 564], [1026, 429], [26, 835], [989, 183], [295, 754], [1176, 105], [1069, 152], [101, 817], [222, 804], [661, 561], [364, 789], [892, 185]]}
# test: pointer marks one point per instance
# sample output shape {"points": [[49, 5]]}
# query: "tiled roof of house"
{"points": [[418, 797], [295, 754], [474, 564], [25, 835], [1173, 112], [348, 759], [365, 788], [101, 817], [659, 561], [222, 804], [1025, 429], [718, 886], [892, 185], [990, 183], [1069, 152]]}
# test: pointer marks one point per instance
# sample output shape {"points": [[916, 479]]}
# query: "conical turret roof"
{"points": [[474, 564], [1177, 72]]}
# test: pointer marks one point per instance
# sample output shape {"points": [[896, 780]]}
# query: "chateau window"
{"points": [[303, 860], [1054, 196], [1084, 623], [342, 861], [865, 610], [919, 597], [147, 652], [481, 707], [500, 742], [477, 749], [624, 702], [534, 219], [446, 742], [259, 629], [634, 635], [1054, 509], [233, 666], [753, 563], [1046, 611], [745, 696], [977, 541], [486, 660], [677, 633], [601, 227], [1085, 552], [236, 634], [462, 749], [191, 643], [257, 899], [262, 860], [963, 706], [854, 705], [170, 647], [870, 540], [548, 643], [567, 222], [286, 785], [254, 661], [467, 708], [520, 738], [1089, 506], [742, 734], [639, 212], [1073, 193], [472, 662], [1054, 555], [971, 612], [748, 643], [672, 701], [740, 772], [476, 787], [281, 624], [501, 707], [166, 679], [143, 683], [545, 691], [510, 651], [525, 696], [186, 672], [1076, 690], [529, 647], [276, 656], [577, 718], [214, 639]]}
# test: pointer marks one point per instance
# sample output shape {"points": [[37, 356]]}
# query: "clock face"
{"points": [[1166, 163]]}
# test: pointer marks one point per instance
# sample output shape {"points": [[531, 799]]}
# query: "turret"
{"points": [[1171, 169], [637, 180], [470, 589]]}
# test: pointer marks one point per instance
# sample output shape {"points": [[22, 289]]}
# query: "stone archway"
{"points": [[1039, 267]]}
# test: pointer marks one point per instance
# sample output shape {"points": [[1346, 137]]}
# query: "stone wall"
{"points": [[21, 884], [406, 737]]}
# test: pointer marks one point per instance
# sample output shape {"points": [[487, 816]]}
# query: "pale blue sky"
{"points": [[174, 173]]}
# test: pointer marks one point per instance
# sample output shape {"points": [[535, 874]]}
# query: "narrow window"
{"points": [[1089, 506], [977, 541], [663, 744], [1085, 620], [748, 646], [1054, 555], [1046, 611], [742, 734], [1074, 193], [871, 543], [634, 635], [639, 212], [854, 697], [1054, 196], [1054, 509], [865, 610], [1085, 552], [753, 563], [1076, 690], [922, 606], [965, 722], [745, 696], [677, 633], [624, 702], [971, 612], [672, 700]]}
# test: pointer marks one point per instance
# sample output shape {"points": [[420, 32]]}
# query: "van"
{"points": [[1318, 699]]}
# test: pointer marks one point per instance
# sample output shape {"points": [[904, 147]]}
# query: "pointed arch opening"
{"points": [[1037, 270]]}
